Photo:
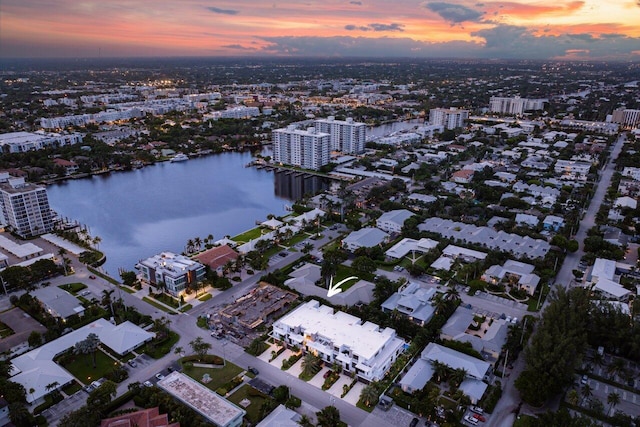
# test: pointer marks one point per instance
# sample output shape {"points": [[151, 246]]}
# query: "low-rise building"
{"points": [[171, 271], [362, 348], [412, 300], [214, 408], [422, 370], [486, 335], [367, 237], [513, 273], [150, 417], [393, 221], [57, 302]]}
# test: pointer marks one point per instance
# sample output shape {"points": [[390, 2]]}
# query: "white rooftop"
{"points": [[21, 251], [198, 397], [364, 339], [36, 368]]}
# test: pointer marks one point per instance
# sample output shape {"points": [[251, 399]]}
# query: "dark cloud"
{"points": [[238, 47], [376, 27], [357, 3], [501, 41], [222, 11], [454, 13], [387, 27]]}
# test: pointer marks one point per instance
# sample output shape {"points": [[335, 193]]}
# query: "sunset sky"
{"points": [[541, 29]]}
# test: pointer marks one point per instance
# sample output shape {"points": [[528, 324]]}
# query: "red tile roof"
{"points": [[217, 257]]}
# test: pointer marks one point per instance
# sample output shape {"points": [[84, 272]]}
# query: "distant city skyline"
{"points": [[563, 29]]}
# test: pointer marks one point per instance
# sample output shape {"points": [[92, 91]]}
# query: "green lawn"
{"points": [[524, 421], [248, 235], [156, 305], [256, 398], [73, 288], [296, 239], [345, 271], [72, 388], [205, 297], [219, 376], [157, 350], [82, 368]]}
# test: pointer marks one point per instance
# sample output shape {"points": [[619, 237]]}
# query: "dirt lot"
{"points": [[22, 324]]}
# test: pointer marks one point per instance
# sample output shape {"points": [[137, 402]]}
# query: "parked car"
{"points": [[283, 254], [132, 363], [159, 376], [476, 409], [92, 277], [326, 374], [414, 422], [479, 417], [385, 403], [253, 370], [584, 379], [148, 384], [470, 420]]}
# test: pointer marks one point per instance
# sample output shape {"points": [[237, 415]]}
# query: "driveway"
{"points": [[354, 394], [22, 325], [318, 379]]}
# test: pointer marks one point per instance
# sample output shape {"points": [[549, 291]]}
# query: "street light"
{"points": [[224, 353]]}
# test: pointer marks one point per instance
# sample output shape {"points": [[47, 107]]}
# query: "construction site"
{"points": [[248, 317]]}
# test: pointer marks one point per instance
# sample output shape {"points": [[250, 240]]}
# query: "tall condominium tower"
{"points": [[25, 207], [347, 136], [305, 148]]}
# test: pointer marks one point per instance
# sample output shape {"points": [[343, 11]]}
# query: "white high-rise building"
{"points": [[25, 207], [626, 117], [347, 136], [305, 148], [515, 104], [450, 118]]}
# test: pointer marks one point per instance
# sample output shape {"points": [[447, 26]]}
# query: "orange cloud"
{"points": [[532, 10]]}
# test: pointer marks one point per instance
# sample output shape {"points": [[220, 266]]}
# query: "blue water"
{"points": [[158, 208]]}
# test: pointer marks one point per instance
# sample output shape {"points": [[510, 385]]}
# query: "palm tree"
{"points": [[369, 395], [440, 370], [305, 421], [452, 294], [328, 417], [307, 247], [618, 367], [62, 252], [457, 376], [586, 392], [310, 364], [93, 342], [613, 399], [197, 242], [440, 303], [107, 301], [189, 247], [573, 397], [96, 242]]}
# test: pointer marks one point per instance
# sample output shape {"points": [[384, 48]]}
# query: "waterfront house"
{"points": [[171, 271]]}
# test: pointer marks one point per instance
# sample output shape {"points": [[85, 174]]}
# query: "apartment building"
{"points": [[363, 348], [173, 272], [450, 118], [305, 148], [346, 136], [626, 117], [514, 104], [24, 207], [21, 142]]}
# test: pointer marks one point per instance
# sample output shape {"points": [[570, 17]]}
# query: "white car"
{"points": [[159, 376], [470, 419]]}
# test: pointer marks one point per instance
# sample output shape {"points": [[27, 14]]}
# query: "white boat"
{"points": [[180, 157]]}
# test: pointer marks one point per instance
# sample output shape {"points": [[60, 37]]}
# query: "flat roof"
{"points": [[198, 397], [364, 339], [21, 251]]}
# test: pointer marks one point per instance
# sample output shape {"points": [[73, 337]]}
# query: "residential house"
{"points": [[413, 301], [487, 336], [406, 245], [58, 302], [463, 176], [216, 258], [393, 221], [150, 417], [514, 273], [422, 370], [552, 223], [367, 237], [68, 166], [526, 219]]}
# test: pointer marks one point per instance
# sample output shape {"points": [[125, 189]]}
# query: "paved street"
{"points": [[503, 415]]}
